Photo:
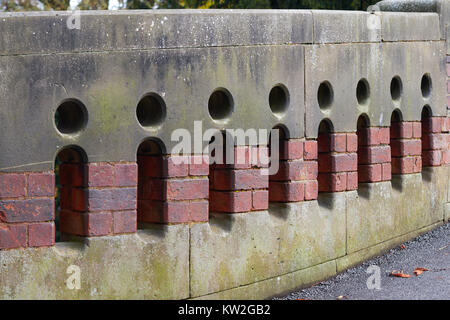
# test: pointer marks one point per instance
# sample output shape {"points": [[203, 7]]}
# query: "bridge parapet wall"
{"points": [[360, 100]]}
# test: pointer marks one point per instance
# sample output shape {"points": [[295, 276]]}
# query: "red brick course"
{"points": [[173, 189], [231, 201], [13, 236], [406, 147], [41, 234], [98, 198], [296, 179], [26, 209], [446, 122], [374, 154], [229, 180], [243, 186], [289, 191], [338, 162], [172, 211], [435, 141]]}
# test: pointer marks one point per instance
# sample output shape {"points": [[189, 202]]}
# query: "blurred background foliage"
{"points": [[37, 5]]}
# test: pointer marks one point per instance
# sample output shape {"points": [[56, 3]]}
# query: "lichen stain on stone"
{"points": [[111, 104]]}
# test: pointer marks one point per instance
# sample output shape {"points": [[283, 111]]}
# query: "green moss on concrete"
{"points": [[126, 267], [278, 285], [382, 211]]}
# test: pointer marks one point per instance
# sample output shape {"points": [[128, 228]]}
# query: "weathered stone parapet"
{"points": [[363, 158], [408, 5]]}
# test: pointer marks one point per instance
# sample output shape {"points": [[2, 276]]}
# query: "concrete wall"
{"points": [[233, 240]]}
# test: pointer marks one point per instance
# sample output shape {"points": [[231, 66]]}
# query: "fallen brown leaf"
{"points": [[399, 274], [419, 271]]}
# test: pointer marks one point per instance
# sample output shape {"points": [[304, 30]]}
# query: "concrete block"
{"points": [[448, 183], [358, 257], [406, 26], [278, 285], [152, 264], [410, 62], [110, 85], [344, 27], [443, 9], [447, 212], [343, 67], [251, 247], [379, 212], [103, 31]]}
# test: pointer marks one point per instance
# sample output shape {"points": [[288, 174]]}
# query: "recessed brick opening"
{"points": [[279, 100], [171, 188], [405, 145], [374, 154], [337, 159], [283, 136], [324, 156], [296, 179], [240, 186], [71, 117], [151, 110], [432, 140], [281, 189], [363, 133], [27, 209], [220, 104], [71, 192], [396, 88], [426, 85], [149, 162]]}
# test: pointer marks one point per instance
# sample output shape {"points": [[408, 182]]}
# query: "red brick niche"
{"points": [[374, 154], [98, 198], [296, 179], [173, 188], [27, 209], [435, 141], [338, 162], [446, 133], [406, 146], [243, 185]]}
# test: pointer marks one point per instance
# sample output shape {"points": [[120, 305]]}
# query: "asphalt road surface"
{"points": [[430, 251]]}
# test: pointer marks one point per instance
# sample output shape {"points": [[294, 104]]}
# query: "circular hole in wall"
{"points": [[396, 88], [220, 104], [279, 100], [362, 92], [151, 110], [71, 117], [325, 95], [426, 85]]}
